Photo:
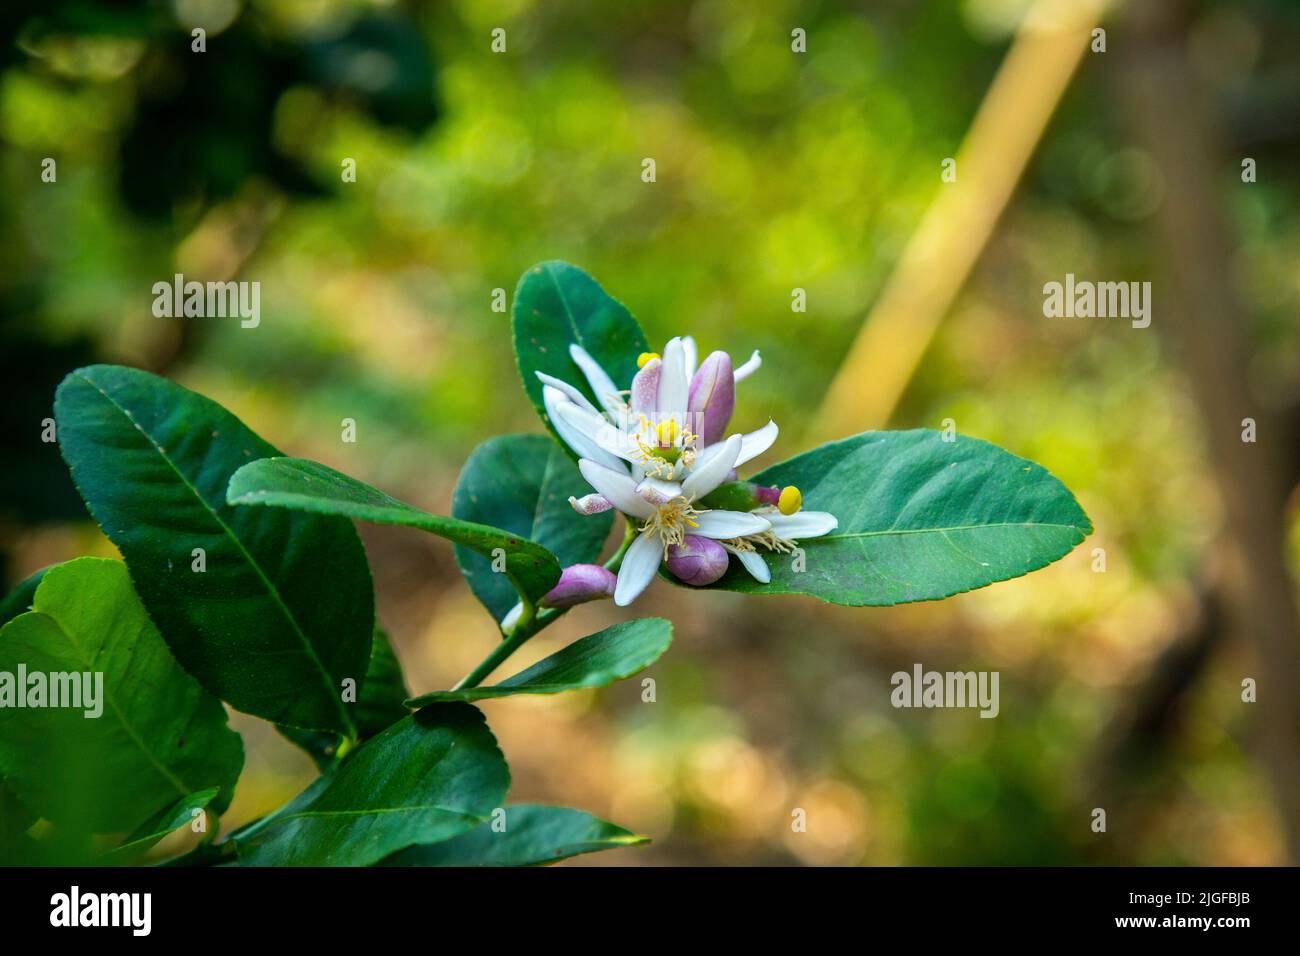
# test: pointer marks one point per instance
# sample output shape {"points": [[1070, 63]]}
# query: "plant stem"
{"points": [[531, 621]]}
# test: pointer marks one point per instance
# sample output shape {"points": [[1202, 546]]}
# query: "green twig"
{"points": [[531, 621]]}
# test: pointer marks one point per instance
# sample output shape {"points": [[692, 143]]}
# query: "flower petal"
{"points": [[756, 442], [590, 504], [711, 469], [729, 524], [638, 569], [749, 368], [512, 618], [712, 397], [658, 492], [803, 524], [572, 423], [692, 356], [617, 486], [673, 383], [753, 563], [602, 385], [645, 388], [570, 392]]}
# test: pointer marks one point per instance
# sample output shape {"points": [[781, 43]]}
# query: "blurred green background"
{"points": [[775, 171]]}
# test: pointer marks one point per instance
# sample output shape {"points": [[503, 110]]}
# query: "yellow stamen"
{"points": [[644, 358], [790, 501], [666, 431]]}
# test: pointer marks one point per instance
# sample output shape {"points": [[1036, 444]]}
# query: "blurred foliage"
{"points": [[774, 171]]}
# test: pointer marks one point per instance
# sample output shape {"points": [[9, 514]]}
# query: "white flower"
{"points": [[789, 524], [667, 510], [672, 419], [655, 450]]}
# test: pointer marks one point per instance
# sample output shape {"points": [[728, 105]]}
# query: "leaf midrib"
{"points": [[89, 662], [968, 527], [252, 563]]}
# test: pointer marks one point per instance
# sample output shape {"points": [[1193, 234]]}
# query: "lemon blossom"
{"points": [[782, 508], [656, 449], [669, 511]]}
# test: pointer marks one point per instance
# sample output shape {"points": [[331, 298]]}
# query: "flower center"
{"points": [[672, 521], [663, 444]]}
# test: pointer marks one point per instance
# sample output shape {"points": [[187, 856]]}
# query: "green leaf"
{"points": [[382, 697], [533, 835], [919, 519], [378, 705], [284, 610], [309, 486], [179, 814], [522, 484], [428, 777], [557, 305], [19, 600], [597, 660], [158, 737]]}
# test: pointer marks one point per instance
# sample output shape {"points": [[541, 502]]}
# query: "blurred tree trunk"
{"points": [[1197, 308]]}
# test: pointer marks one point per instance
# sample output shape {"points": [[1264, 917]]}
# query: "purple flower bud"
{"points": [[580, 583], [712, 397], [697, 560], [766, 495], [645, 388]]}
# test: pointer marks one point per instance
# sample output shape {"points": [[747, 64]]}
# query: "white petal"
{"points": [[692, 357], [570, 392], [584, 431], [590, 504], [638, 568], [729, 524], [674, 383], [601, 384], [658, 492], [512, 617], [754, 564], [584, 445], [749, 368], [711, 471], [617, 486], [803, 524], [757, 442]]}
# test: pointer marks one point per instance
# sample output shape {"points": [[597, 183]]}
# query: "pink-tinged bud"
{"points": [[580, 583], [766, 495], [645, 388], [712, 397], [697, 560]]}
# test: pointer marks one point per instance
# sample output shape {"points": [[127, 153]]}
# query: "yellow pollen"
{"points": [[644, 358], [666, 431], [790, 501]]}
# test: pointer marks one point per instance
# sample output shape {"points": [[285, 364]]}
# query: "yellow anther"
{"points": [[790, 501], [645, 357], [666, 431]]}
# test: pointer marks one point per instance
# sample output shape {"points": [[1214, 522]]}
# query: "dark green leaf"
{"points": [[522, 484], [159, 736], [179, 814], [557, 305], [919, 519], [428, 777], [381, 700], [597, 660], [285, 608], [533, 835], [378, 705], [295, 483]]}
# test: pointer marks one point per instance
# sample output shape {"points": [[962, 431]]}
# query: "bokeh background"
{"points": [[775, 170]]}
